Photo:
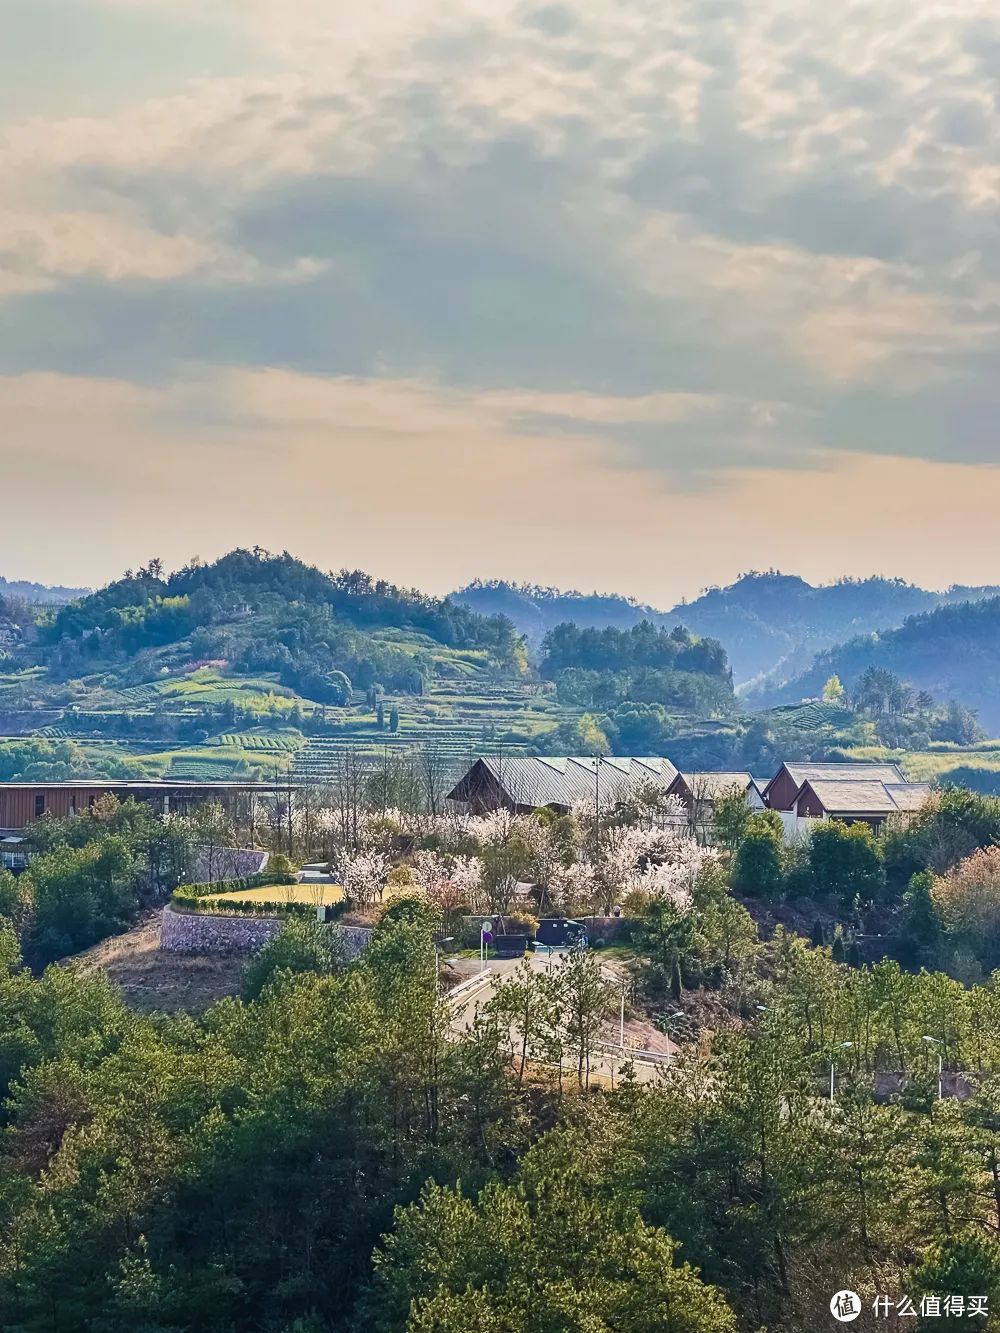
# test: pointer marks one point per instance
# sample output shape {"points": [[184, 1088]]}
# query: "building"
{"points": [[701, 789], [13, 855], [859, 802], [23, 803], [782, 792], [523, 784]]}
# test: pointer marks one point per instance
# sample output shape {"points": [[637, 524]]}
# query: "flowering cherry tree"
{"points": [[364, 875]]}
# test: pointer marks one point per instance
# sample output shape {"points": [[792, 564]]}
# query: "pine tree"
{"points": [[676, 982], [394, 718], [380, 716], [817, 936], [921, 936]]}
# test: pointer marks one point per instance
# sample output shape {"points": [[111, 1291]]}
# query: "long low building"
{"points": [[24, 803], [859, 802], [523, 784], [800, 792], [698, 791], [782, 792]]}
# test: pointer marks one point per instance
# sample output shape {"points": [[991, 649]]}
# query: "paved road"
{"points": [[606, 1064]]}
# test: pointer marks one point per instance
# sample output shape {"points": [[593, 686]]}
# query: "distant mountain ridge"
{"points": [[39, 592], [535, 610], [768, 622], [952, 652]]}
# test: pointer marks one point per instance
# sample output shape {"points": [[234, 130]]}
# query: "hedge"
{"points": [[196, 905], [188, 895]]}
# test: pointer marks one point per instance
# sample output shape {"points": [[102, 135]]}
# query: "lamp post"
{"points": [[675, 1017], [935, 1041], [842, 1046]]}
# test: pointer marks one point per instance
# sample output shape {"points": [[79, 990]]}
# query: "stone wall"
{"points": [[221, 863], [356, 939], [206, 933], [203, 932]]}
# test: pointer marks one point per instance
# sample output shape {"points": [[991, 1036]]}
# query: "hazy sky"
{"points": [[631, 294]]}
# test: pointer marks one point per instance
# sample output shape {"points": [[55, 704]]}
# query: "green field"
{"points": [[467, 708]]}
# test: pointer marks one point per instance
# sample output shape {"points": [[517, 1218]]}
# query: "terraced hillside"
{"points": [[456, 718]]}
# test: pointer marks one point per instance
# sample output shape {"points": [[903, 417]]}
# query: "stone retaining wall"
{"points": [[208, 933], [203, 932]]}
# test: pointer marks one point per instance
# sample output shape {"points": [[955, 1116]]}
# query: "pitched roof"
{"points": [[707, 786], [847, 771], [908, 795], [544, 780], [867, 798]]}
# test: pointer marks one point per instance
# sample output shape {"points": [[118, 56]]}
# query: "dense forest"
{"points": [[327, 1149], [766, 621], [535, 610], [951, 652], [263, 612]]}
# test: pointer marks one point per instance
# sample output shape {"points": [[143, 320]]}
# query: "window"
{"points": [[39, 804]]}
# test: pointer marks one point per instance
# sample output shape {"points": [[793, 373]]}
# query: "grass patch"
{"points": [[317, 895]]}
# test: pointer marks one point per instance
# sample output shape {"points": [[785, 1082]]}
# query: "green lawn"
{"points": [[317, 895]]}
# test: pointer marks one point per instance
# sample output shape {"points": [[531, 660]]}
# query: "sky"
{"points": [[632, 295]]}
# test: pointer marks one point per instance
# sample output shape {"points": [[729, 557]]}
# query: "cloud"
{"points": [[432, 487], [692, 242]]}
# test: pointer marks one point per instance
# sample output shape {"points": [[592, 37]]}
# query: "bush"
{"points": [[846, 862], [968, 903], [757, 867], [300, 946], [520, 923]]}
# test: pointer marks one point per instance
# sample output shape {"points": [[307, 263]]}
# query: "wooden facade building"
{"points": [[868, 803], [24, 803], [781, 793]]}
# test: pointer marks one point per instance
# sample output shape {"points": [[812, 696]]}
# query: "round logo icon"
{"points": [[845, 1306]]}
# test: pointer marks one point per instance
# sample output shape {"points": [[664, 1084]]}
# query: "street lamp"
{"points": [[842, 1046], [935, 1041]]}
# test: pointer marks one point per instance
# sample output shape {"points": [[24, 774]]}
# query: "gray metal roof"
{"points": [[869, 798], [153, 784], [909, 795], [841, 772], [546, 780], [706, 786]]}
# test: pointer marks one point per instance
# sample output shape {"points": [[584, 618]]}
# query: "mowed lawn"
{"points": [[317, 895]]}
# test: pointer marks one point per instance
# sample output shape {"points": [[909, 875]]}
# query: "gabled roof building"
{"points": [[782, 791], [525, 783], [869, 802], [702, 789]]}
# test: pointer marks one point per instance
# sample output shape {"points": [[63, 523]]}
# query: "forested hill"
{"points": [[952, 652], [764, 620], [535, 610], [253, 611]]}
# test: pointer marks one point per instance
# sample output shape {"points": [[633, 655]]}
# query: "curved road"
{"points": [[607, 1062]]}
